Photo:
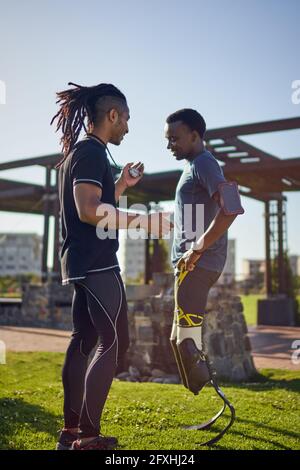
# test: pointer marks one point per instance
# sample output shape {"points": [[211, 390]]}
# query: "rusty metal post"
{"points": [[46, 212], [147, 255], [56, 245], [281, 262], [268, 274]]}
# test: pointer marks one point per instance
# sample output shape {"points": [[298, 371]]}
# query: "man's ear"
{"points": [[113, 115], [196, 136]]}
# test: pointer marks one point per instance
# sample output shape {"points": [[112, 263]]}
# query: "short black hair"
{"points": [[191, 118]]}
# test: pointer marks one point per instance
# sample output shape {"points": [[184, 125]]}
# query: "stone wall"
{"points": [[225, 333], [43, 305], [11, 312], [226, 339], [150, 356]]}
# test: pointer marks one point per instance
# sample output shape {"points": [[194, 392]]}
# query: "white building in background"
{"points": [[20, 253], [132, 254], [132, 257], [229, 273], [295, 264], [253, 267]]}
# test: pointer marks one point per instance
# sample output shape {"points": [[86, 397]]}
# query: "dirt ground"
{"points": [[271, 346]]}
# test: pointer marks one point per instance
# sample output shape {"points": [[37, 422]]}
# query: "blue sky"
{"points": [[233, 60]]}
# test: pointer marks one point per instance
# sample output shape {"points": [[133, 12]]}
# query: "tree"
{"points": [[159, 256]]}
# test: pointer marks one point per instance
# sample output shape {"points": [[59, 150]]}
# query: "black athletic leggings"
{"points": [[99, 311]]}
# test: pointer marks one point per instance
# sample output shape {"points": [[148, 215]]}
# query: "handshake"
{"points": [[109, 218], [157, 224]]}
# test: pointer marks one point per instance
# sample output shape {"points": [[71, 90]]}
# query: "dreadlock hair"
{"points": [[190, 118], [77, 104]]}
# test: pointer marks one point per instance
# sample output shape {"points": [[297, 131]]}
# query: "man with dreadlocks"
{"points": [[88, 199]]}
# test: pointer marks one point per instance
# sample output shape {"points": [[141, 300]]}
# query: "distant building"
{"points": [[132, 258], [229, 274], [295, 264], [20, 253], [132, 254], [253, 267]]}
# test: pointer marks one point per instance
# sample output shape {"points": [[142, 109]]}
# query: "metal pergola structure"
{"points": [[263, 177], [260, 176]]}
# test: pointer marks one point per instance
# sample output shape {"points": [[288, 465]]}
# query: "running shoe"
{"points": [[65, 440], [99, 443]]}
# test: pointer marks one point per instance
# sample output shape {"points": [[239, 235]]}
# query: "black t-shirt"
{"points": [[82, 250]]}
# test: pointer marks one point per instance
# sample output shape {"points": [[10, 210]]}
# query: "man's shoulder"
{"points": [[88, 149], [89, 146], [205, 161], [204, 157]]}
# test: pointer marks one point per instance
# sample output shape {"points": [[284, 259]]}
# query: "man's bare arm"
{"points": [[93, 211], [219, 225], [120, 187]]}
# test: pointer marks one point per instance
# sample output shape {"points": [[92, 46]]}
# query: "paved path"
{"points": [[34, 339], [271, 346]]}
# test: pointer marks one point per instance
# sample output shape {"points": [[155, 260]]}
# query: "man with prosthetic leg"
{"points": [[205, 207]]}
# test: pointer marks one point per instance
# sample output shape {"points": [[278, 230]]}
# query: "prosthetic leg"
{"points": [[193, 364]]}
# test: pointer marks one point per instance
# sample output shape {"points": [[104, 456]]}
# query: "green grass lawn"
{"points": [[148, 416], [250, 307]]}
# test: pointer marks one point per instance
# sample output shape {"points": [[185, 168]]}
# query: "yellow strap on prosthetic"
{"points": [[191, 319]]}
